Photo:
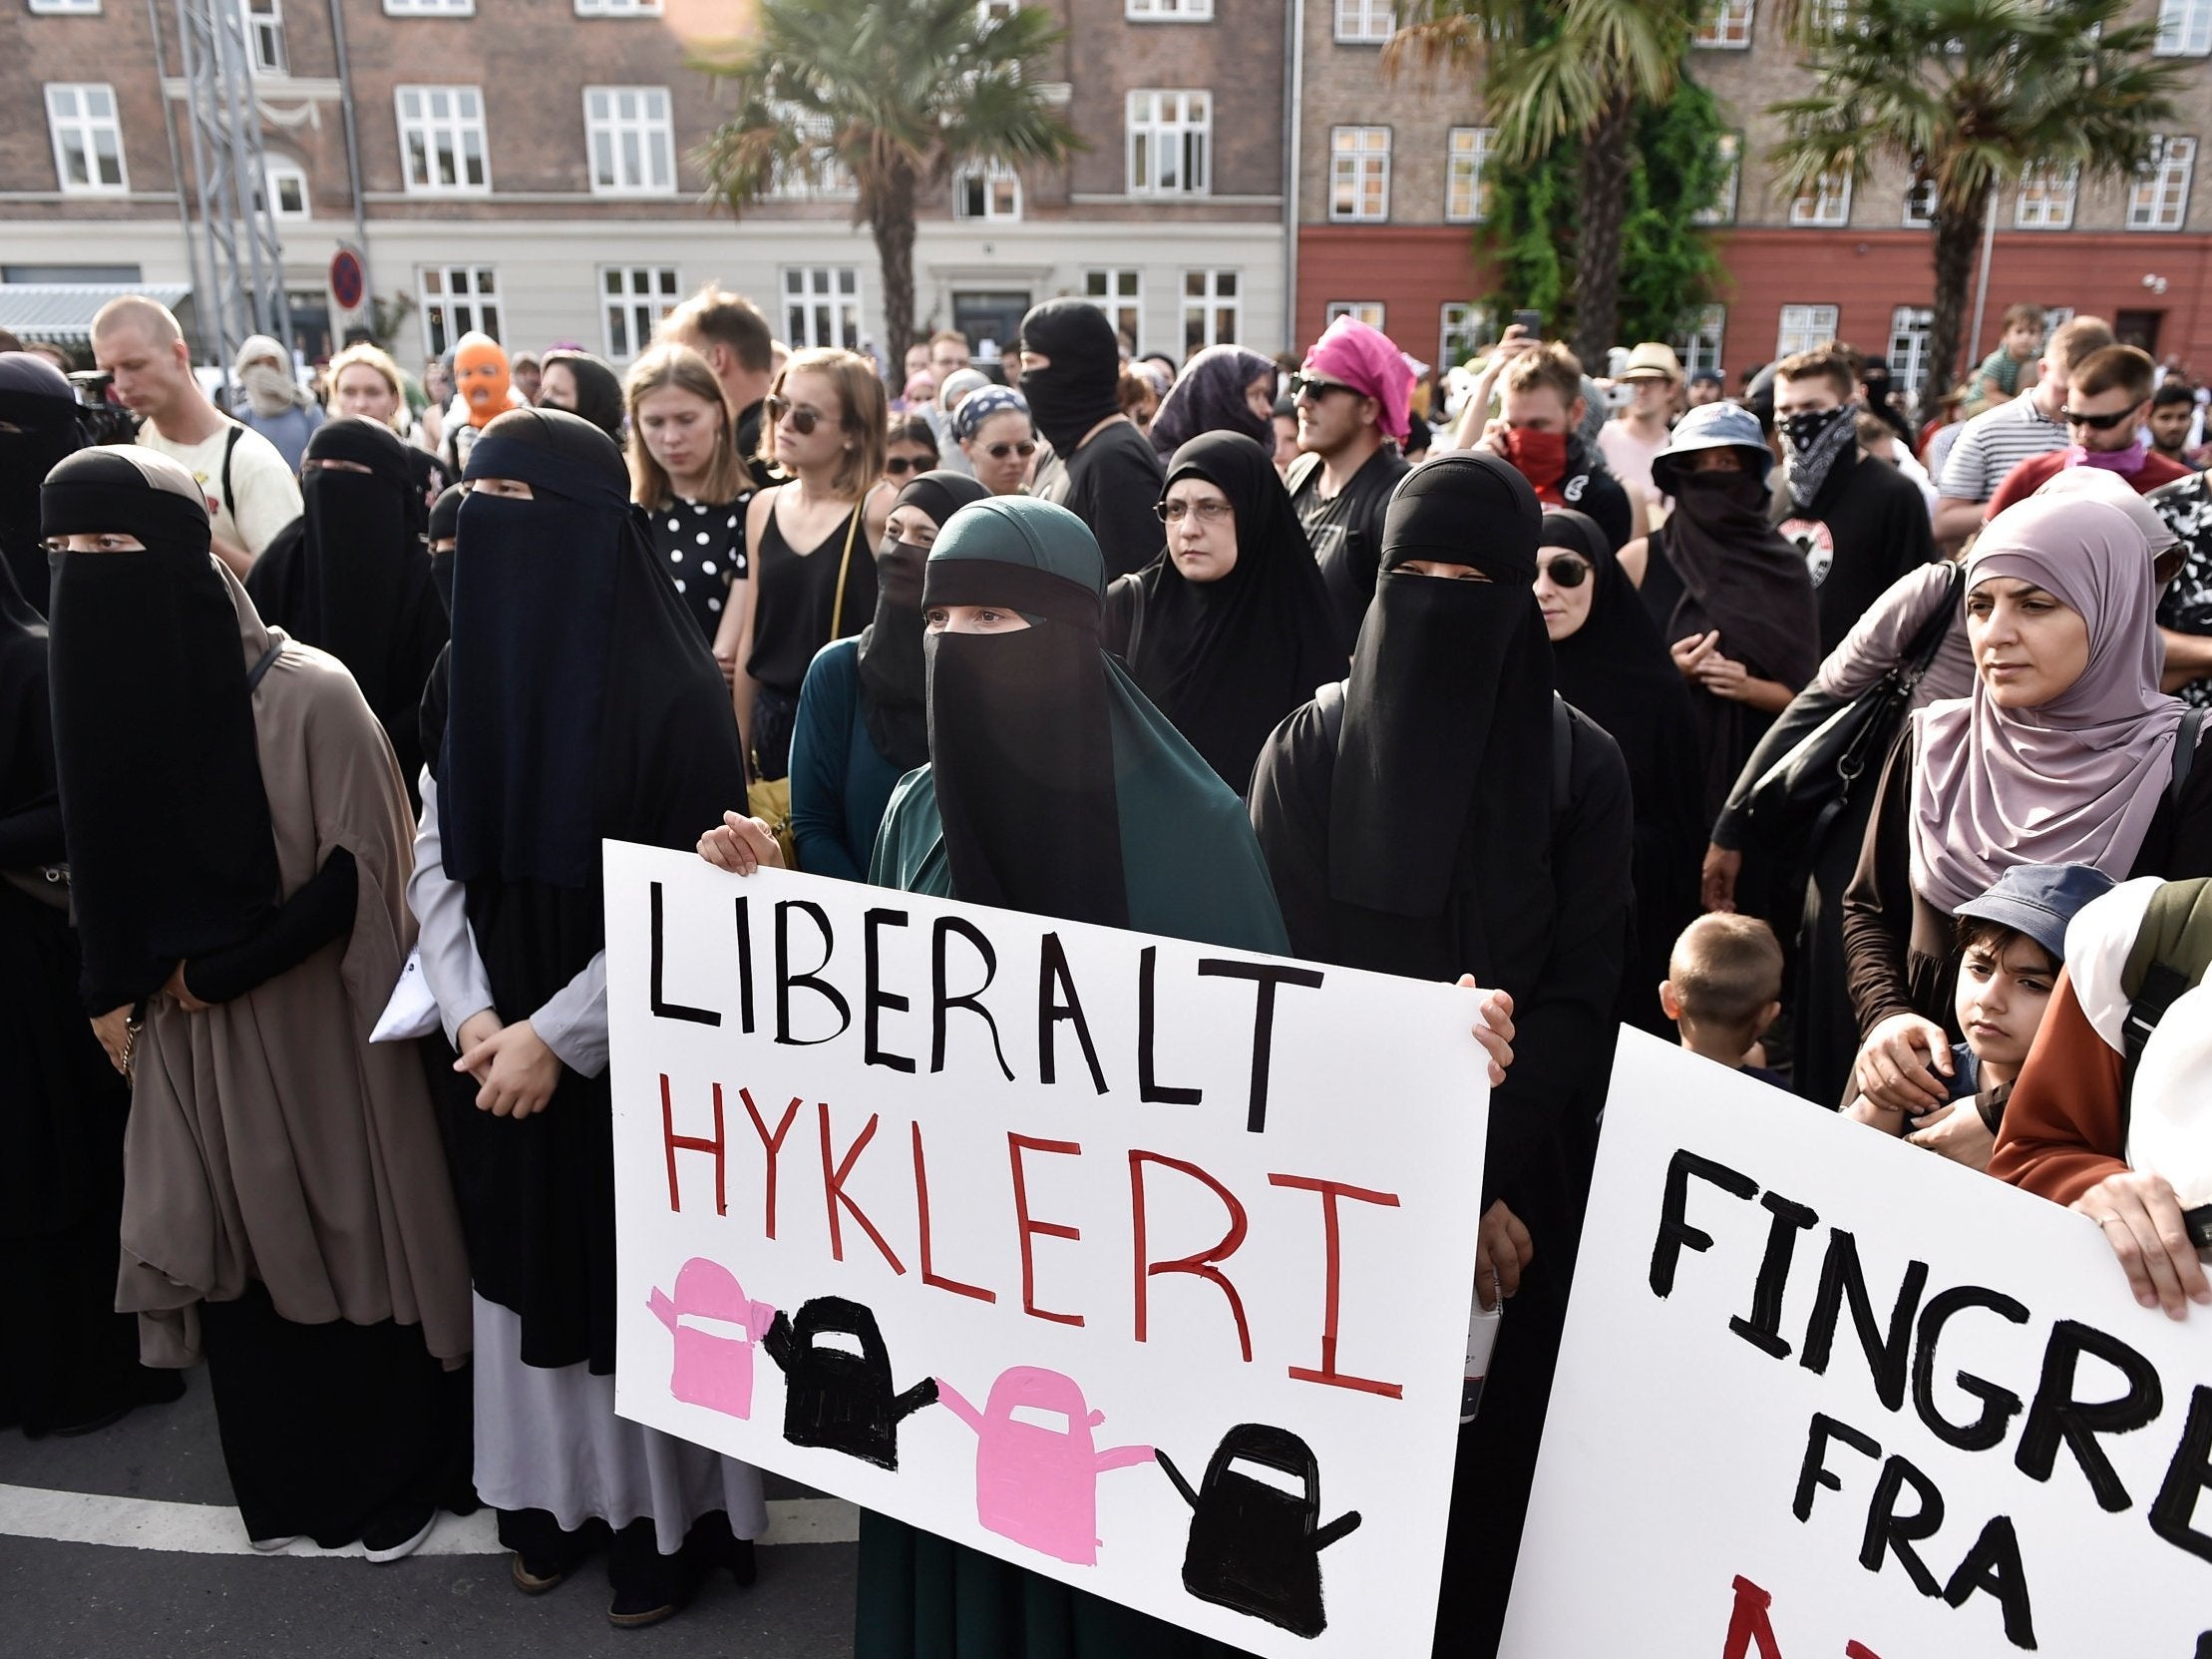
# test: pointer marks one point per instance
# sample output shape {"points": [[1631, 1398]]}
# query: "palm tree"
{"points": [[1963, 96], [881, 98], [1559, 69]]}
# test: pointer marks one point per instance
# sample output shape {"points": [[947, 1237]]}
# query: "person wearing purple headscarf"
{"points": [[2066, 752], [1225, 388]]}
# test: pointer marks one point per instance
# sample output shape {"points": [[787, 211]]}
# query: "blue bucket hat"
{"points": [[1712, 426], [2038, 899]]}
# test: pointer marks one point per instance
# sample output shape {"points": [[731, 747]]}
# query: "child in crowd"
{"points": [[2002, 373], [1724, 987], [2012, 943]]}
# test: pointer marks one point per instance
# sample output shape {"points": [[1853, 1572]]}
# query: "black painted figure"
{"points": [[834, 1397], [1254, 1546]]}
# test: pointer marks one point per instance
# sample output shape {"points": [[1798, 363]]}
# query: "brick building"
{"points": [[525, 167]]}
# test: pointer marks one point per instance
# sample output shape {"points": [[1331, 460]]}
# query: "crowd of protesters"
{"points": [[1866, 762]]}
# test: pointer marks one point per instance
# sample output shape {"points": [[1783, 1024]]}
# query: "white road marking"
{"points": [[213, 1530]]}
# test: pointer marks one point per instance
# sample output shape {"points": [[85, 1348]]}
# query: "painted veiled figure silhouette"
{"points": [[1256, 1546], [838, 1390]]}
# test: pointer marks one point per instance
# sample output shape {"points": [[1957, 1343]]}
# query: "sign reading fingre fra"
{"points": [[1139, 1263]]}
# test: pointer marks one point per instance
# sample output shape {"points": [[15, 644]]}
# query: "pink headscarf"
{"points": [[2076, 780], [1364, 359]]}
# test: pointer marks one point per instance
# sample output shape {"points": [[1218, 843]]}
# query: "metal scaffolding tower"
{"points": [[238, 259]]}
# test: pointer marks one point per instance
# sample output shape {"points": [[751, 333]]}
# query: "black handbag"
{"points": [[1798, 797]]}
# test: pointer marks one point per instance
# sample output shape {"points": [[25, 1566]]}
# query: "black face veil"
{"points": [[893, 672]]}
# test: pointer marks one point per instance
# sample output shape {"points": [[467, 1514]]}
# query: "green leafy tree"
{"points": [[1963, 96], [882, 98], [1560, 72]]}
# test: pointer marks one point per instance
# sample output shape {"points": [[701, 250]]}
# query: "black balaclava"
{"points": [[1440, 804], [1082, 385], [171, 851], [599, 389], [894, 674], [362, 557], [37, 401], [445, 526]]}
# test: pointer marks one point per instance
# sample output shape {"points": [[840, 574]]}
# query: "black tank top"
{"points": [[795, 595]]}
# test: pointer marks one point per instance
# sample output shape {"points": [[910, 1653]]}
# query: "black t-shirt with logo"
{"points": [[1345, 530]]}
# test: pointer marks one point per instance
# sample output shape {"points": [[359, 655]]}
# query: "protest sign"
{"points": [[1823, 1394], [1136, 1262]]}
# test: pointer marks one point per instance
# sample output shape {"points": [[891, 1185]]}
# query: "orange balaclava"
{"points": [[480, 370]]}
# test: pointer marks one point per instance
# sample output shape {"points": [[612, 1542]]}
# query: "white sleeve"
{"points": [[450, 966], [572, 1022], [267, 493]]}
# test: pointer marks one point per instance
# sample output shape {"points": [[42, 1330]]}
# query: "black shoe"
{"points": [[532, 1580], [742, 1568], [394, 1536]]}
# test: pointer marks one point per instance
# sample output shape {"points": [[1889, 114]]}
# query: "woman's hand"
{"points": [[1494, 1029], [1724, 676], [113, 1031], [1717, 881], [1892, 1067], [2141, 1221], [473, 1031], [1503, 1249], [176, 988], [741, 845], [515, 1068], [1956, 1131], [1692, 654], [726, 660]]}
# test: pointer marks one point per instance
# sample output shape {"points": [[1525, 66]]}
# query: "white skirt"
{"points": [[549, 1440]]}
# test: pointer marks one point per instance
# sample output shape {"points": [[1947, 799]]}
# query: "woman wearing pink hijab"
{"points": [[2066, 752]]}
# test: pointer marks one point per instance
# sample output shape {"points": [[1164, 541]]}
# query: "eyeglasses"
{"points": [[2097, 423], [1211, 511], [999, 452], [896, 465], [1313, 388], [804, 417], [1566, 570]]}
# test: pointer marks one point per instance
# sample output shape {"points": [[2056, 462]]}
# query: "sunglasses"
{"points": [[803, 418], [896, 465], [1209, 512], [1314, 387], [999, 452], [2097, 423], [1566, 570]]}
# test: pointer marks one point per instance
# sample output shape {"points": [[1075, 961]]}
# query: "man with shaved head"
{"points": [[252, 494]]}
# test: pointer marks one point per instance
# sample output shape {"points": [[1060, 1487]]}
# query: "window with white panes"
{"points": [[1365, 21], [1803, 327], [1359, 172], [1466, 166], [991, 191], [1919, 206], [632, 300], [430, 8], [821, 307], [1462, 329], [65, 8], [1167, 11], [1212, 309], [2184, 29], [617, 8], [287, 188], [1170, 134], [456, 299], [1120, 293], [264, 35], [815, 175], [2047, 197], [1911, 327], [1369, 311], [631, 140], [1727, 25], [1828, 203], [1702, 346], [2159, 198], [443, 141], [88, 138], [1727, 149]]}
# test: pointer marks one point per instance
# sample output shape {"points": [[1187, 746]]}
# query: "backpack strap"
{"points": [[267, 659], [230, 445], [2171, 950], [2184, 756]]}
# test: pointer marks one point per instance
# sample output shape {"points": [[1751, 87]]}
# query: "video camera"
{"points": [[100, 422]]}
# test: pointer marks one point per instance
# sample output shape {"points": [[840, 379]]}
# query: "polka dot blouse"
{"points": [[702, 546]]}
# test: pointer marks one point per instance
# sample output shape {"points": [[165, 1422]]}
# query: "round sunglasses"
{"points": [[1566, 570], [999, 452], [897, 465], [804, 417]]}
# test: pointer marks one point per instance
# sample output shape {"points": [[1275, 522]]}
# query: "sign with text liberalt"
{"points": [[1138, 1263], [1826, 1394]]}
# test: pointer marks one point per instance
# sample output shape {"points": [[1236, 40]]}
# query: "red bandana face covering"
{"points": [[1541, 458]]}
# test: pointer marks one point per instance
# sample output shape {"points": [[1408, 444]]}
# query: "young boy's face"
{"points": [[2025, 340], [2004, 986]]}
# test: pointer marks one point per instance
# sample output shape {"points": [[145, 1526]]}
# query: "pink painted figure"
{"points": [[714, 1367], [1036, 1472]]}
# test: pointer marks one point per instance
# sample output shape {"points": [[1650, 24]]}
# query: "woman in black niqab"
{"points": [[38, 427], [1225, 660]]}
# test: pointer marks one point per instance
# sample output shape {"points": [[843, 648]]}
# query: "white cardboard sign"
{"points": [[1823, 1394], [1139, 1263]]}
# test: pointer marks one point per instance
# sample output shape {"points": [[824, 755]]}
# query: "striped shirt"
{"points": [[1992, 444]]}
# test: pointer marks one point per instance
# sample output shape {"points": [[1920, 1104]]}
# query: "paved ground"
{"points": [[123, 1545]]}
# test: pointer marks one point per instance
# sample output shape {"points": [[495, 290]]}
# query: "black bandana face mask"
{"points": [[1805, 429]]}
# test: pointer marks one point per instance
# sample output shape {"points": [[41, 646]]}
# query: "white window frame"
{"points": [[2169, 174], [632, 131], [1804, 326], [1727, 27], [813, 180], [1919, 206], [1369, 311], [443, 134], [65, 8], [1911, 327], [1359, 160], [994, 177], [2184, 29], [821, 305], [1463, 329], [1167, 11], [430, 8], [1467, 152], [279, 170], [632, 300], [1210, 305], [1170, 137], [263, 23], [1119, 291], [1723, 212], [1705, 345], [1365, 21], [617, 8], [1827, 206], [70, 115], [473, 304], [2051, 207]]}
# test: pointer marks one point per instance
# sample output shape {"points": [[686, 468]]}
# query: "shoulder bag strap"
{"points": [[230, 444], [2184, 756], [844, 566], [1937, 628]]}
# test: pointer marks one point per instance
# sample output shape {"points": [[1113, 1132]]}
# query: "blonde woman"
{"points": [[364, 381], [686, 472], [813, 539]]}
